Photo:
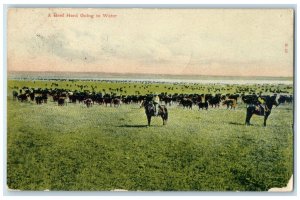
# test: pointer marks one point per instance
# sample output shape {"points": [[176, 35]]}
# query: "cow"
{"points": [[23, 97], [61, 101], [202, 102], [285, 99], [214, 101], [88, 102], [15, 95], [116, 102], [230, 103], [188, 103], [39, 100]]}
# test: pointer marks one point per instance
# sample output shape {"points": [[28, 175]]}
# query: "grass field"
{"points": [[105, 148]]}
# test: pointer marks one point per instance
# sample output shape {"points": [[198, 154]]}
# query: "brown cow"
{"points": [[230, 103]]}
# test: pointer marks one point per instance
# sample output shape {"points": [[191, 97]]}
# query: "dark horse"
{"points": [[150, 112], [259, 110]]}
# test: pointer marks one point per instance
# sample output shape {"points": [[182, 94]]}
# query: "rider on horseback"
{"points": [[262, 104], [156, 104]]}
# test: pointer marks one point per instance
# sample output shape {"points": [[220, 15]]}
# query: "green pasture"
{"points": [[73, 147]]}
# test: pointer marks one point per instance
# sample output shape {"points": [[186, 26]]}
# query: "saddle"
{"points": [[262, 109]]}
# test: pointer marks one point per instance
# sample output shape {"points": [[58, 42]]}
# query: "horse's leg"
{"points": [[248, 117], [149, 119], [162, 117], [265, 118]]}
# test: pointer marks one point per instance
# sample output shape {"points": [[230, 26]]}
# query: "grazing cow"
{"points": [[108, 100], [116, 102], [15, 95], [44, 97], [260, 111], [230, 103], [167, 100], [88, 102], [284, 98], [31, 95], [23, 97], [72, 98], [61, 101], [39, 100], [188, 103], [202, 103], [214, 101]]}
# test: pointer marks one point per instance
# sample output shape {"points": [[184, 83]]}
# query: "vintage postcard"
{"points": [[150, 99]]}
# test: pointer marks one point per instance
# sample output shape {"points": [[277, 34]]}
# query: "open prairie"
{"points": [[103, 148]]}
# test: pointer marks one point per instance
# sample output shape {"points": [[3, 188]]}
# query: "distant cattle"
{"points": [[214, 101], [39, 100], [23, 97], [186, 103], [61, 101], [116, 102], [285, 99], [230, 103], [88, 102], [250, 99], [108, 100], [15, 95], [202, 102]]}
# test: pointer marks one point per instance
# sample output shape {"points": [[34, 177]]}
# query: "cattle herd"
{"points": [[202, 101]]}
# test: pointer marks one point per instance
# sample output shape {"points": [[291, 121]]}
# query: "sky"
{"points": [[222, 42]]}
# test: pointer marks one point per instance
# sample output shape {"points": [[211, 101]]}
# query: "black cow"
{"points": [[23, 97], [214, 101], [88, 102], [285, 99], [188, 103], [39, 100], [61, 101]]}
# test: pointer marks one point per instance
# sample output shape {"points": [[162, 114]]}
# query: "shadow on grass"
{"points": [[136, 108], [138, 126], [132, 126], [238, 124]]}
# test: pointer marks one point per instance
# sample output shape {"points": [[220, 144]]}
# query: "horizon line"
{"points": [[162, 74]]}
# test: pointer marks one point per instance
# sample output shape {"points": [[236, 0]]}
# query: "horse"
{"points": [[150, 112], [252, 109]]}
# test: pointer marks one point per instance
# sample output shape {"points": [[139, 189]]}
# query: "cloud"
{"points": [[60, 46]]}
